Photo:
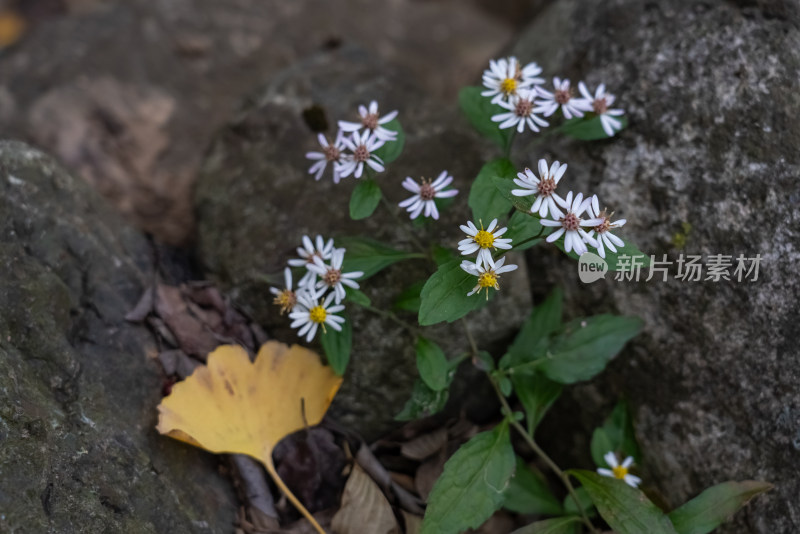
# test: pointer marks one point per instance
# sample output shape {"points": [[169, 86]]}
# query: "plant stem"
{"points": [[393, 317], [541, 454]]}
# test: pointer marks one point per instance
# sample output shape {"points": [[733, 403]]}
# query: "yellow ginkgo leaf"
{"points": [[236, 406]]}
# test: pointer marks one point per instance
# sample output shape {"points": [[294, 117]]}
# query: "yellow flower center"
{"points": [[508, 86], [317, 314], [620, 472], [286, 299], [484, 239], [487, 279]]}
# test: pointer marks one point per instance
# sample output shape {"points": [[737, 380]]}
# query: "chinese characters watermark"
{"points": [[687, 268]]}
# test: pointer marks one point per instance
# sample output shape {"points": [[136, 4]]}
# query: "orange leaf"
{"points": [[235, 406]]}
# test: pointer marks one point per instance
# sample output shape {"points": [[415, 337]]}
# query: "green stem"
{"points": [[394, 318], [510, 144], [541, 454]]}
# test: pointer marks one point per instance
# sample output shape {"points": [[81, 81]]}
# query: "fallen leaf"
{"points": [[363, 503], [425, 445], [233, 405]]}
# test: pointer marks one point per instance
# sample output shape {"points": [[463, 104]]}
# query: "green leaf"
{"points": [[627, 510], [715, 505], [615, 435], [471, 487], [479, 111], [636, 256], [391, 150], [370, 256], [533, 338], [485, 199], [444, 296], [423, 402], [524, 226], [584, 503], [432, 364], [442, 255], [357, 297], [409, 300], [505, 186], [365, 198], [528, 493], [557, 525], [537, 393], [585, 346], [589, 128], [337, 346]]}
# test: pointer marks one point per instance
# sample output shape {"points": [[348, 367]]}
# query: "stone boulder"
{"points": [[255, 200], [709, 165], [78, 385]]}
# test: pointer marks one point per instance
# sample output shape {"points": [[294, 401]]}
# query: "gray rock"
{"points": [[78, 385], [708, 166], [255, 200]]}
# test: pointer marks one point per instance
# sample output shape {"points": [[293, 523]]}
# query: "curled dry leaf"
{"points": [[363, 503], [233, 405]]}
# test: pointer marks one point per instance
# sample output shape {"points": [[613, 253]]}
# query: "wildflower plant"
{"points": [[513, 208]]}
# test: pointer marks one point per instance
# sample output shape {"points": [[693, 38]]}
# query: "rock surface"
{"points": [[708, 166], [255, 200], [78, 385]]}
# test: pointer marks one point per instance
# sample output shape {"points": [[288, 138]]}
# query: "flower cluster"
{"points": [[518, 89], [308, 306], [483, 241], [354, 146], [578, 232]]}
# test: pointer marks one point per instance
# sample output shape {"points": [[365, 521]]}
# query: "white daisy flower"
{"points": [[482, 240], [307, 254], [618, 470], [425, 193], [331, 153], [505, 77], [331, 276], [521, 113], [372, 121], [488, 273], [544, 186], [285, 298], [601, 102], [575, 237], [604, 236], [309, 314], [362, 145], [562, 96]]}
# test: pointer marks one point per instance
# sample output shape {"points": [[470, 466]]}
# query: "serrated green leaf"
{"points": [[533, 338], [557, 525], [627, 510], [589, 127], [528, 493], [523, 226], [432, 364], [471, 487], [479, 111], [485, 199], [409, 300], [337, 346], [537, 393], [715, 505], [423, 402], [444, 295], [391, 150], [617, 435], [365, 198], [585, 346], [370, 256], [357, 297]]}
